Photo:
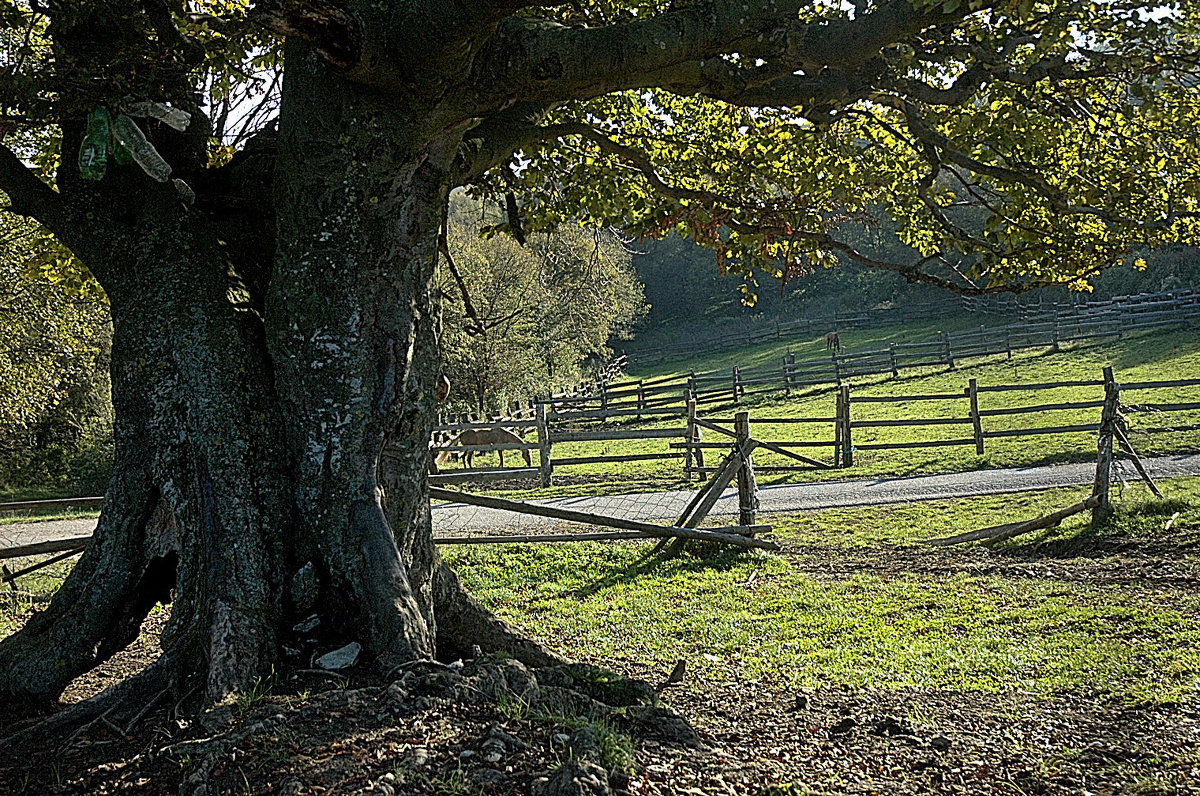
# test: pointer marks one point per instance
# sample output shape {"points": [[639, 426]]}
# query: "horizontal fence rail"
{"points": [[665, 394], [954, 419]]}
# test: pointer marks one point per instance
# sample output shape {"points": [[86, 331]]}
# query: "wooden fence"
{"points": [[961, 418], [970, 422], [1134, 309], [1119, 404], [669, 394]]}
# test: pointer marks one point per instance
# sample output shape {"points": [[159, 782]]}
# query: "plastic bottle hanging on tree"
{"points": [[172, 117], [130, 137], [93, 150]]}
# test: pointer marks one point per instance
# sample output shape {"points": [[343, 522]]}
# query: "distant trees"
{"points": [[55, 416], [532, 318]]}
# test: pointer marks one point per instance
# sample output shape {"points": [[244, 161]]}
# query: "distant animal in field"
{"points": [[833, 343], [483, 436]]}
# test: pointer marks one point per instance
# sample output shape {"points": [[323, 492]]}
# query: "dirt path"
{"points": [[777, 499]]}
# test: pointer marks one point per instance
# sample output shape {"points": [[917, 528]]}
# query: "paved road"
{"points": [[781, 498]]}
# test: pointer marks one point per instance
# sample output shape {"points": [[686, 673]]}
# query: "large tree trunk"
{"points": [[360, 196], [199, 498], [249, 445], [256, 437]]}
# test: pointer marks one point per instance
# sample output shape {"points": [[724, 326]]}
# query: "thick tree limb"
{"points": [[538, 61], [28, 195], [333, 32]]}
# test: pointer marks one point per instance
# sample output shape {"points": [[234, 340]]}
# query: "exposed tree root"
{"points": [[128, 699], [464, 623]]}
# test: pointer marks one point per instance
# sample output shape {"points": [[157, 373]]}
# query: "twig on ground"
{"points": [[145, 709]]}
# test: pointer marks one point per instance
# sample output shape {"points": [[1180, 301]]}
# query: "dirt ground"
{"points": [[317, 734]]}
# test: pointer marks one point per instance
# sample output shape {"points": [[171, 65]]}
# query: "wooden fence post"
{"points": [[747, 488], [947, 355], [847, 443], [641, 398], [895, 367], [603, 401], [1104, 447], [787, 377], [691, 437], [1054, 347], [737, 378], [837, 429], [545, 466], [1008, 340], [837, 369], [976, 421]]}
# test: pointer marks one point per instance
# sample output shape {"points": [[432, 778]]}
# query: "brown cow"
{"points": [[484, 436], [832, 342]]}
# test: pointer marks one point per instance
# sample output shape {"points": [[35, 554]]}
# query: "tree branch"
{"points": [[494, 140], [776, 226], [687, 49], [28, 195], [333, 32]]}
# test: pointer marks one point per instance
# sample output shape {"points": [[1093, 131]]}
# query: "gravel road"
{"points": [[782, 498]]}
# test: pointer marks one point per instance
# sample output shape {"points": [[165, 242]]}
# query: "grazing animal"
{"points": [[832, 342], [484, 436]]}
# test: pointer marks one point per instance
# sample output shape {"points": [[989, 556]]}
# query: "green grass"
{"points": [[11, 493], [33, 592], [766, 616], [911, 523], [803, 348], [1147, 356], [897, 620]]}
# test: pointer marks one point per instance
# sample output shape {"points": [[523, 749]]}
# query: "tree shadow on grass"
{"points": [[686, 562]]}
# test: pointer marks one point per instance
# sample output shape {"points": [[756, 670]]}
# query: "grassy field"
{"points": [[853, 602], [1066, 661], [1146, 356], [772, 352]]}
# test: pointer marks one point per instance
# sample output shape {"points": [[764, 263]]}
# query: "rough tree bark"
{"points": [[199, 488], [254, 437]]}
